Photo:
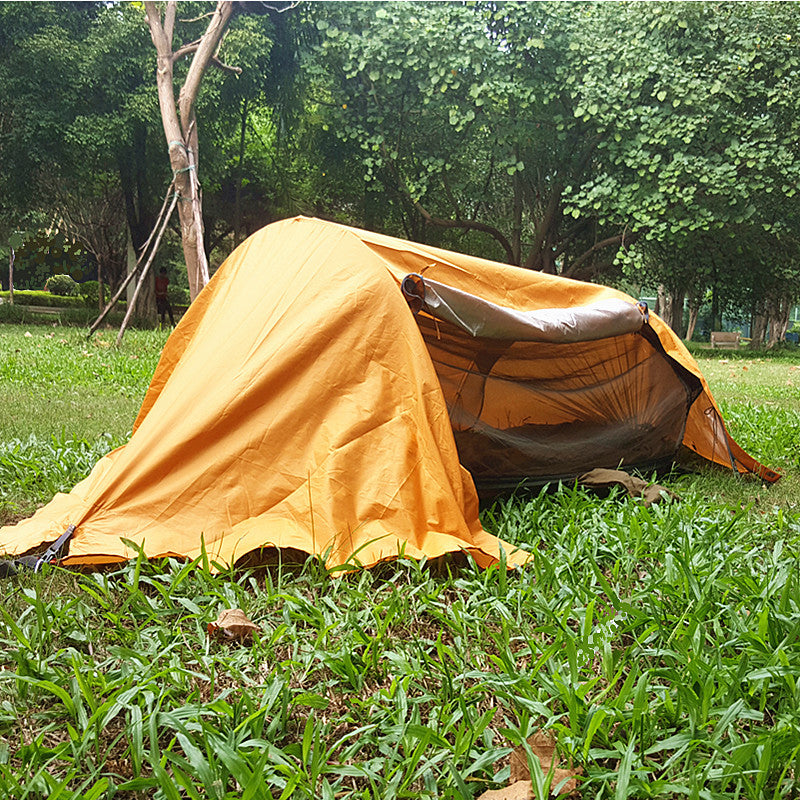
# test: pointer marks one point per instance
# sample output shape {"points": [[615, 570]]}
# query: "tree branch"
{"points": [[205, 52], [169, 20], [544, 226], [603, 243], [185, 49], [197, 19], [467, 225], [448, 223], [225, 67]]}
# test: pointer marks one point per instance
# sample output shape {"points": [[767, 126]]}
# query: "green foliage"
{"points": [[409, 681], [24, 297], [178, 295], [42, 255], [61, 285], [90, 293], [571, 130]]}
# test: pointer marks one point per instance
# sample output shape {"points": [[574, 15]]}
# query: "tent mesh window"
{"points": [[536, 411]]}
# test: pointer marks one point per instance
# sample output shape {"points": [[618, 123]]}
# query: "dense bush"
{"points": [[62, 285], [90, 292], [178, 295], [31, 297]]}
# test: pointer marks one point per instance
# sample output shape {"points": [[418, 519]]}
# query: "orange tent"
{"points": [[330, 389]]}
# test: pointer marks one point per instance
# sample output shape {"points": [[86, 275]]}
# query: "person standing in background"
{"points": [[162, 301]]}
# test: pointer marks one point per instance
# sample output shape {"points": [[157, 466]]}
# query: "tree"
{"points": [[699, 152], [180, 121], [464, 112], [79, 100], [574, 136]]}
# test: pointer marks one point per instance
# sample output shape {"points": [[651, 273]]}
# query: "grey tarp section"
{"points": [[482, 319]]}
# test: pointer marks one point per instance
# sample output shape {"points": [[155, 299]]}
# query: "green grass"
{"points": [[65, 401], [661, 646]]}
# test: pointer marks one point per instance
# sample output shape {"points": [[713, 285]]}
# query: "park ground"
{"points": [[659, 645]]}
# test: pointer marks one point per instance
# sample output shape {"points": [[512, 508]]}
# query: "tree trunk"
{"points": [[691, 323], [237, 202], [676, 323], [778, 312], [100, 291], [516, 232], [181, 131], [11, 276], [130, 266], [146, 298], [669, 306], [759, 330], [664, 304], [695, 301]]}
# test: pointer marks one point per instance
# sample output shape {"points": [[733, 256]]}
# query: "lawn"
{"points": [[659, 645]]}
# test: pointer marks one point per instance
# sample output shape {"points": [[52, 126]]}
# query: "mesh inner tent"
{"points": [[534, 411]]}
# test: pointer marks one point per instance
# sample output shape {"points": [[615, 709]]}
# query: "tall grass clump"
{"points": [[660, 645]]}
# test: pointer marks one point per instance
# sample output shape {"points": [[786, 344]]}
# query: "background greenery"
{"points": [[644, 144]]}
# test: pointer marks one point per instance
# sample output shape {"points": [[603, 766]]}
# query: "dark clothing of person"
{"points": [[162, 301]]}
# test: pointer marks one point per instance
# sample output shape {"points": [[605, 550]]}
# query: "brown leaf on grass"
{"points": [[543, 746], [601, 480], [232, 623], [519, 790]]}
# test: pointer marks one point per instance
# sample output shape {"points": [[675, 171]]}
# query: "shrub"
{"points": [[90, 292], [26, 297], [71, 316], [178, 295], [62, 285]]}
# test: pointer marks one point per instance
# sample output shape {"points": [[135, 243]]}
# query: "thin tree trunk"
{"points": [[695, 301], [11, 276], [130, 266], [237, 202], [180, 125], [516, 232], [100, 287], [716, 317]]}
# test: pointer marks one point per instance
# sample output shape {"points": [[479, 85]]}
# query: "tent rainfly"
{"points": [[343, 393]]}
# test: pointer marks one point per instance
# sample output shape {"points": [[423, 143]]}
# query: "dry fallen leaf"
{"points": [[519, 790], [232, 623]]}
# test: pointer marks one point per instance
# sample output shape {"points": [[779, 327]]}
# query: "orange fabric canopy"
{"points": [[296, 405]]}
